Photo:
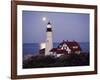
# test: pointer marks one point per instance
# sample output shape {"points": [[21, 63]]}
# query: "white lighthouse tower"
{"points": [[49, 41]]}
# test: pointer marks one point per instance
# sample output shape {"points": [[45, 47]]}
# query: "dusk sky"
{"points": [[65, 26]]}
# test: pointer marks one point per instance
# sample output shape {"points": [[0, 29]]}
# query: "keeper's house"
{"points": [[65, 47]]}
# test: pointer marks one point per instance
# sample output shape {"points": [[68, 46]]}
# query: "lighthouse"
{"points": [[49, 41]]}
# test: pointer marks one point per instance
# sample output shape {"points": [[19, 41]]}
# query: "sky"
{"points": [[65, 26]]}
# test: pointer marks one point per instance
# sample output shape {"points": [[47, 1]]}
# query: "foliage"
{"points": [[41, 61]]}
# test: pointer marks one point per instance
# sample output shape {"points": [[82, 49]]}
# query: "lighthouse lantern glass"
{"points": [[48, 26]]}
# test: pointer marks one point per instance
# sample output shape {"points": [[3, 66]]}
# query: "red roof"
{"points": [[71, 44]]}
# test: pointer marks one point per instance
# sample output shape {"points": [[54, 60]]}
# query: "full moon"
{"points": [[44, 18]]}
